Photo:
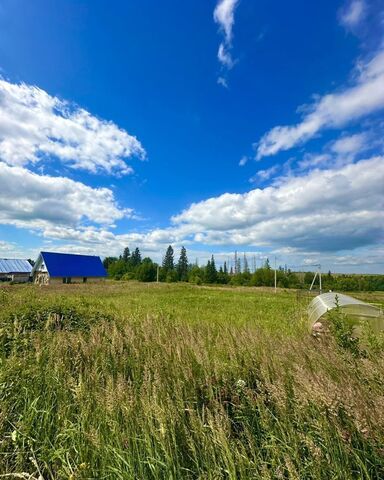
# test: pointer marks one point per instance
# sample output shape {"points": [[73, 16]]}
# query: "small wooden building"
{"points": [[53, 267], [15, 270]]}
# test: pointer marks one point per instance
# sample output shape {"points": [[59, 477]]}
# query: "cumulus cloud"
{"points": [[42, 202], [364, 97], [323, 210], [35, 125], [308, 216], [224, 16]]}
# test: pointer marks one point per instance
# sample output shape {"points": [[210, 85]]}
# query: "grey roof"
{"points": [[14, 265], [322, 303]]}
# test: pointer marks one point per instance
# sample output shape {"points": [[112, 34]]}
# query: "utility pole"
{"points": [[157, 274], [318, 273], [313, 281], [275, 277]]}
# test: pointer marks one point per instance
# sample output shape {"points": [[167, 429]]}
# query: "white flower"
{"points": [[240, 383]]}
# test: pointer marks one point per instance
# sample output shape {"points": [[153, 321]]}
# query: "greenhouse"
{"points": [[321, 304]]}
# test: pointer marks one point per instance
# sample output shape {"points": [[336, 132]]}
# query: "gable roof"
{"points": [[14, 265], [71, 265]]}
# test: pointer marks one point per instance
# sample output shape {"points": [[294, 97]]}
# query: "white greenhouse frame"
{"points": [[321, 304]]}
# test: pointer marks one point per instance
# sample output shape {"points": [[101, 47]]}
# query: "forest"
{"points": [[131, 266]]}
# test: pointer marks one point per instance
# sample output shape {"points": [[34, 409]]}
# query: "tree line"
{"points": [[131, 266]]}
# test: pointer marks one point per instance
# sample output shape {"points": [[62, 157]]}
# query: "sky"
{"points": [[223, 126]]}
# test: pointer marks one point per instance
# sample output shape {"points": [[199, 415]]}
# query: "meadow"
{"points": [[127, 380]]}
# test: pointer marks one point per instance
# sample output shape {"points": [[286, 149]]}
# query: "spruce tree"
{"points": [[245, 264], [238, 265], [210, 271], [136, 257], [126, 254], [182, 266], [168, 262]]}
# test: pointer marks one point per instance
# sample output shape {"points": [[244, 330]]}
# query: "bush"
{"points": [[342, 329], [171, 276], [146, 272]]}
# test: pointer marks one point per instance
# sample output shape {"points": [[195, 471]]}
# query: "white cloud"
{"points": [[7, 249], [42, 202], [312, 216], [350, 144], [222, 81], [353, 13], [364, 97], [323, 210], [339, 152], [311, 161], [224, 16], [265, 174], [34, 125], [224, 56], [243, 161]]}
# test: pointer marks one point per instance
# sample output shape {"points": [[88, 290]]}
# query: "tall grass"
{"points": [[178, 382]]}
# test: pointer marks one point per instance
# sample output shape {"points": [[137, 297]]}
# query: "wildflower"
{"points": [[240, 383]]}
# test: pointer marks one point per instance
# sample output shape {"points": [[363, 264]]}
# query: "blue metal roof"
{"points": [[71, 265], [13, 265]]}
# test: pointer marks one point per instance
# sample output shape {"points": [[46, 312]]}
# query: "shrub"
{"points": [[342, 329]]}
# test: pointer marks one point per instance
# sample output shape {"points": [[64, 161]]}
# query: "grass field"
{"points": [[171, 381]]}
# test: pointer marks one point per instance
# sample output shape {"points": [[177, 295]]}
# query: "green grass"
{"points": [[136, 381]]}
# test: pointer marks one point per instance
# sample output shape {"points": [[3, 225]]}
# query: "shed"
{"points": [[51, 267], [15, 270]]}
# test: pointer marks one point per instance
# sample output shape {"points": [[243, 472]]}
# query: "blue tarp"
{"points": [[11, 265], [71, 265]]}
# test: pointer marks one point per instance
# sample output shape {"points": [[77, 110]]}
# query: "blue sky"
{"points": [[222, 125]]}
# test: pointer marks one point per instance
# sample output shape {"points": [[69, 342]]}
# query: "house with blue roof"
{"points": [[51, 267], [15, 270]]}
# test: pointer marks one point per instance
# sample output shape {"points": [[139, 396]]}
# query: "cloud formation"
{"points": [[35, 126], [324, 210], [321, 211], [42, 202], [308, 217], [224, 16], [365, 96]]}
